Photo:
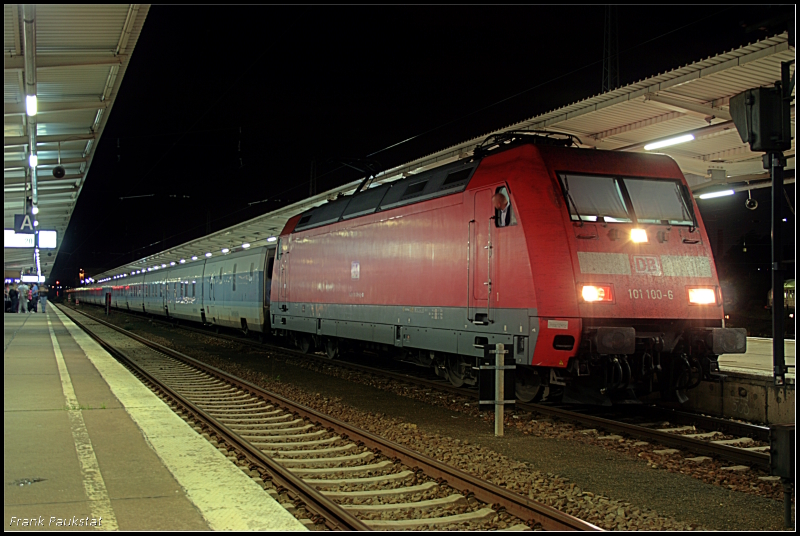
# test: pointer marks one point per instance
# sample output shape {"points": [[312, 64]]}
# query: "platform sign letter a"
{"points": [[23, 224]]}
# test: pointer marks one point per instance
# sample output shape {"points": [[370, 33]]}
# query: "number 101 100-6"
{"points": [[637, 294]]}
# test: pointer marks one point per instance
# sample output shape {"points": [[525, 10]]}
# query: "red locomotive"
{"points": [[594, 266]]}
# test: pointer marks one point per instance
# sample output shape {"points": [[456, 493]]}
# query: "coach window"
{"points": [[503, 212], [233, 276], [194, 289]]}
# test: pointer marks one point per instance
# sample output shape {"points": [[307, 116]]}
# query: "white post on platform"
{"points": [[499, 394]]}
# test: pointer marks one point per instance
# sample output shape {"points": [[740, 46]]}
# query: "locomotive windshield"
{"points": [[623, 200]]}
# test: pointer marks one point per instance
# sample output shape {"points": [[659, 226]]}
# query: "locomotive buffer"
{"points": [[491, 386]]}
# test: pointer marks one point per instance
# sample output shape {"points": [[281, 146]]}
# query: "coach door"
{"points": [[480, 257], [215, 294]]}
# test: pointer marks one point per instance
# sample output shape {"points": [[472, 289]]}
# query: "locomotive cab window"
{"points": [[627, 199], [503, 212]]}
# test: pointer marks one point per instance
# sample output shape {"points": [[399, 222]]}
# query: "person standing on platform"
{"points": [[43, 296], [23, 297], [6, 298], [13, 295], [34, 305]]}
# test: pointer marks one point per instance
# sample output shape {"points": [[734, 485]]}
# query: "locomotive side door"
{"points": [[480, 257], [283, 259]]}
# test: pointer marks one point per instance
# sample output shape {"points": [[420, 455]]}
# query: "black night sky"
{"points": [[223, 106]]}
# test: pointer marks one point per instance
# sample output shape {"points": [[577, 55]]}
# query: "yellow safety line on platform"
{"points": [[226, 498], [93, 482]]}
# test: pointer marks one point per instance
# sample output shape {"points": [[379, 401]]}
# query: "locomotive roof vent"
{"points": [[515, 138]]}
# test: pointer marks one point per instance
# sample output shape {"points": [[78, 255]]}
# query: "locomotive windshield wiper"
{"points": [[569, 197], [686, 198]]}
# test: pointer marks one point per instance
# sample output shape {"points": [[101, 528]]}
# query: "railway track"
{"points": [[345, 478], [736, 442]]}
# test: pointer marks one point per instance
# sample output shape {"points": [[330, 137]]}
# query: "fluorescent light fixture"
{"points": [[194, 257], [246, 245], [271, 239], [667, 143], [34, 210], [31, 105], [712, 195], [225, 250], [208, 254], [33, 160], [183, 261], [638, 235]]}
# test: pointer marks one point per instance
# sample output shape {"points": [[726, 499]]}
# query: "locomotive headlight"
{"points": [[702, 296], [638, 235], [597, 293]]}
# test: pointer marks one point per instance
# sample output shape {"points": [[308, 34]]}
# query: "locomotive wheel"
{"points": [[331, 348], [528, 386], [305, 344], [455, 370]]}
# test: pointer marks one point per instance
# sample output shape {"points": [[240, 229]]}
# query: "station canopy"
{"points": [[692, 99], [73, 59]]}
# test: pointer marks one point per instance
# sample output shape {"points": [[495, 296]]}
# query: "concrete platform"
{"points": [[757, 360], [87, 446], [748, 391]]}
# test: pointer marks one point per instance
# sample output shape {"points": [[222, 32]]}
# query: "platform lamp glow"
{"points": [[671, 141], [712, 195], [31, 105]]}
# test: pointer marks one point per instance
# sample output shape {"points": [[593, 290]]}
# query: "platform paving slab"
{"points": [[227, 498], [136, 486]]}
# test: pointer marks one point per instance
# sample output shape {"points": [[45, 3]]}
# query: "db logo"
{"points": [[646, 264]]}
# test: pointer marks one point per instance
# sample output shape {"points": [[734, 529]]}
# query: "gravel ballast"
{"points": [[616, 483]]}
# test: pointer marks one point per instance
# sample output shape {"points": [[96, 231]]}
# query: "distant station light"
{"points": [[182, 261], [33, 160], [194, 257], [208, 254], [34, 210], [246, 245], [172, 263], [225, 250], [271, 239]]}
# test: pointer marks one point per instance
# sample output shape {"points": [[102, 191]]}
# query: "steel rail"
{"points": [[515, 504], [733, 454], [335, 516]]}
